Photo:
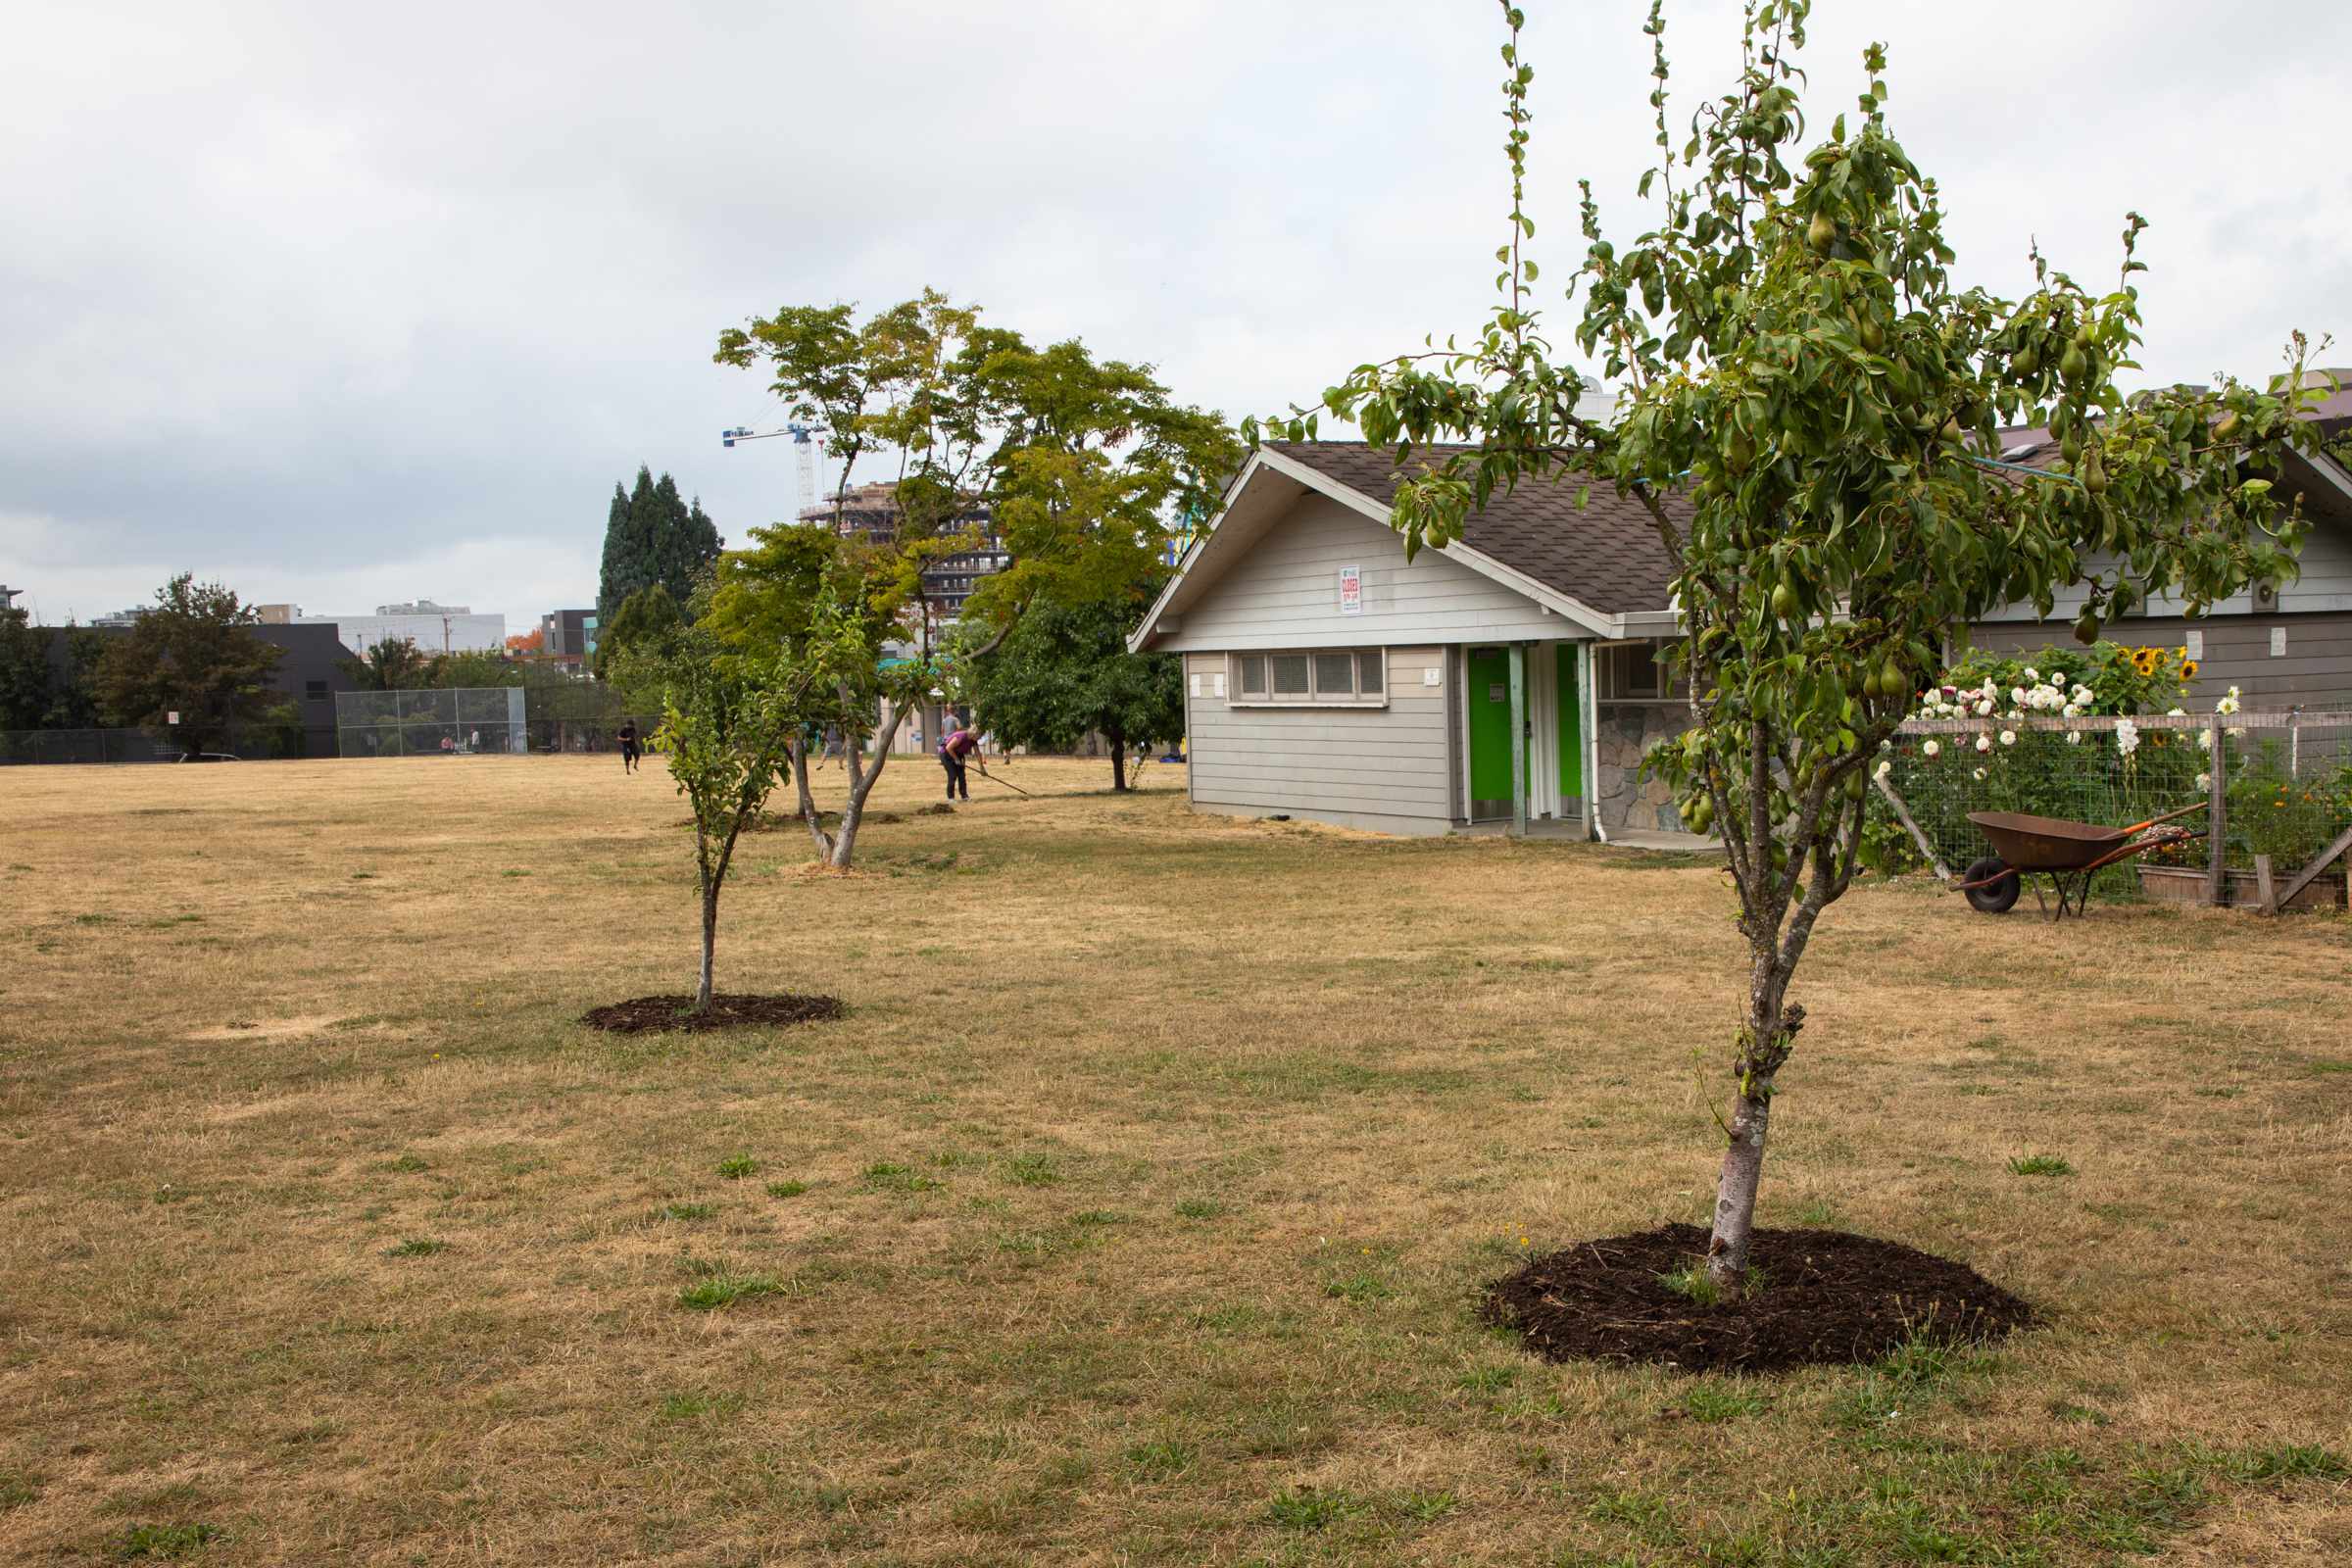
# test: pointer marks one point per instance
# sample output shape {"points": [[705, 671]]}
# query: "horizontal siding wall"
{"points": [[1388, 768], [2324, 586], [1284, 593], [2315, 668]]}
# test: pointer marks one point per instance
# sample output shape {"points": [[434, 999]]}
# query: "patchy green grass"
{"points": [[2040, 1165]]}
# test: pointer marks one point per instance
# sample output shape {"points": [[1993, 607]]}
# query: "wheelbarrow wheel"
{"points": [[2001, 886]]}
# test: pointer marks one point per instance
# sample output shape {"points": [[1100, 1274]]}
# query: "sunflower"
{"points": [[2188, 670]]}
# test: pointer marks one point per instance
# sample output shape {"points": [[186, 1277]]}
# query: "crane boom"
{"points": [[806, 441]]}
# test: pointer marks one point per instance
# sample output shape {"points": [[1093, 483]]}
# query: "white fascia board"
{"points": [[2331, 471], [1149, 627]]}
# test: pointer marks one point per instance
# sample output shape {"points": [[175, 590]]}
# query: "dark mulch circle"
{"points": [[647, 1014], [1827, 1297]]}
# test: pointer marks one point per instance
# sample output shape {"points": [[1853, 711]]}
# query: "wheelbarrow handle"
{"points": [[2141, 846], [2142, 828]]}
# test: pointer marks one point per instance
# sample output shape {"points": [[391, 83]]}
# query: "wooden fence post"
{"points": [[1902, 814], [2216, 811]]}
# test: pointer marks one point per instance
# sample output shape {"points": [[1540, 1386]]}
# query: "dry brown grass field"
{"points": [[1134, 1213]]}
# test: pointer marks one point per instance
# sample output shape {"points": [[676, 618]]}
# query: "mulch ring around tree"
{"points": [[1826, 1297], [649, 1014]]}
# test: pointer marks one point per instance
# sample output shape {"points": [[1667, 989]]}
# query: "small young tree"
{"points": [[194, 655], [727, 723], [1798, 362], [1065, 674]]}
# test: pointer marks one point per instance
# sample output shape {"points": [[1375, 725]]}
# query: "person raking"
{"points": [[961, 746], [629, 746]]}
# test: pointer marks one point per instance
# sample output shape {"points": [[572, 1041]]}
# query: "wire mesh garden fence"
{"points": [[2280, 795]]}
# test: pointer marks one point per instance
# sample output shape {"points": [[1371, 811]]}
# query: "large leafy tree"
{"points": [[649, 614], [652, 536], [1079, 465], [193, 655], [1796, 355], [23, 671], [1064, 672], [392, 664]]}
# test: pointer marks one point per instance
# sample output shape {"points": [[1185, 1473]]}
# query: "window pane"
{"points": [[1290, 674], [1334, 675], [1642, 671], [1368, 676], [1253, 675]]}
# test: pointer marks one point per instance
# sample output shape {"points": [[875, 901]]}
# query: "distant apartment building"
{"points": [[8, 596], [871, 512], [116, 621], [567, 636], [434, 628]]}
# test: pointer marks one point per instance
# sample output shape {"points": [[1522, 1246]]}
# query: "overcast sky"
{"points": [[348, 304]]}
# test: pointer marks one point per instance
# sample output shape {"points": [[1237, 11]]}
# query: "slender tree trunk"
{"points": [[701, 994], [1764, 1046], [861, 785], [809, 812], [1118, 765]]}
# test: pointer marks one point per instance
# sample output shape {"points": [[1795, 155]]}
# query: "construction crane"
{"points": [[805, 443]]}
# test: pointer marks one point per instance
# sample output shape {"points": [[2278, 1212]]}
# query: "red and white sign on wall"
{"points": [[1351, 590]]}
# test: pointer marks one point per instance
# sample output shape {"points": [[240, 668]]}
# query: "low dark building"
{"points": [[309, 675]]}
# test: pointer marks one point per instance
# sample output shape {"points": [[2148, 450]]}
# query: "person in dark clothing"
{"points": [[959, 747], [629, 746]]}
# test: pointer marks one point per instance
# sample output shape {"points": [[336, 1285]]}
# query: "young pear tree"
{"points": [[728, 722], [1797, 363]]}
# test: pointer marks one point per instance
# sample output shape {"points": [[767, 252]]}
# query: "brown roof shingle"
{"points": [[1606, 555]]}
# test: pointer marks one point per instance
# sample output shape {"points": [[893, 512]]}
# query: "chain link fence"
{"points": [[2284, 792], [469, 720], [245, 742]]}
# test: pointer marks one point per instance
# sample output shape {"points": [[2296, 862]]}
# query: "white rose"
{"points": [[2204, 782], [1984, 743], [1980, 775], [1934, 748], [2008, 737], [2073, 737], [1985, 708]]}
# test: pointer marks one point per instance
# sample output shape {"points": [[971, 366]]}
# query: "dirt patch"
{"points": [[648, 1014], [935, 809], [1827, 1297]]}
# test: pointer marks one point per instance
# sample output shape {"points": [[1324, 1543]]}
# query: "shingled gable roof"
{"points": [[1605, 555]]}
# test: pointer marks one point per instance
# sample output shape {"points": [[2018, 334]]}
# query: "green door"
{"points": [[1489, 679], [1572, 728]]}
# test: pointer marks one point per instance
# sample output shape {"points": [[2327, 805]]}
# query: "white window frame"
{"points": [[1354, 697], [1615, 657]]}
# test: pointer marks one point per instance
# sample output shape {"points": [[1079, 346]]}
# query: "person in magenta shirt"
{"points": [[959, 747]]}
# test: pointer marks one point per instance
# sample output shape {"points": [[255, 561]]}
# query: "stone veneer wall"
{"points": [[1625, 799]]}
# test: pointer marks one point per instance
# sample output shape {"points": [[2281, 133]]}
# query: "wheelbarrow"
{"points": [[2067, 854]]}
